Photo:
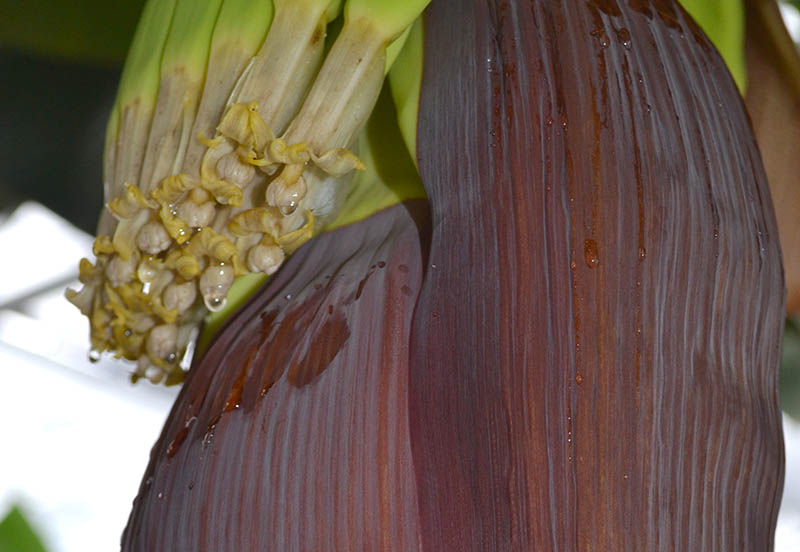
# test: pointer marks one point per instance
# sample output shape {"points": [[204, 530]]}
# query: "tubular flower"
{"points": [[229, 148], [547, 348]]}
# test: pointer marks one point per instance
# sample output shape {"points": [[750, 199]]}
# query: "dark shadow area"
{"points": [[53, 115]]}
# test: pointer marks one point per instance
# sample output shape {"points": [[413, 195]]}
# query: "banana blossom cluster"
{"points": [[568, 341]]}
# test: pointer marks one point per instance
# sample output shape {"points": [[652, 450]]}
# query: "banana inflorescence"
{"points": [[228, 148]]}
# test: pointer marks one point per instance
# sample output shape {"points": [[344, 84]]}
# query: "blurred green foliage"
{"points": [[723, 23], [790, 369], [17, 535], [90, 30]]}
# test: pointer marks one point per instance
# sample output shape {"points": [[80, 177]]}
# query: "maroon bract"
{"points": [[576, 349]]}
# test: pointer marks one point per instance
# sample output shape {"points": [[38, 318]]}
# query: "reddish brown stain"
{"points": [[319, 34], [608, 7], [668, 13], [235, 396], [324, 347], [590, 254], [361, 284], [175, 444], [641, 6]]}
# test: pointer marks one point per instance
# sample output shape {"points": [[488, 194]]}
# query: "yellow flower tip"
{"points": [[102, 246], [210, 143], [292, 241], [131, 203], [338, 162]]}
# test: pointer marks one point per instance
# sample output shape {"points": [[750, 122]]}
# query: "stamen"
{"points": [[265, 257], [153, 238], [119, 271], [162, 340], [215, 283], [231, 169], [180, 296]]}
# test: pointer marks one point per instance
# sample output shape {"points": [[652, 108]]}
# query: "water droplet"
{"points": [[642, 253], [625, 38], [160, 495], [433, 266], [148, 481], [573, 265], [579, 379], [94, 355], [214, 304], [590, 253], [288, 297]]}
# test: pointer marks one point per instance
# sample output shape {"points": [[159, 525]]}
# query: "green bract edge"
{"points": [[142, 72], [723, 22], [243, 21], [391, 17]]}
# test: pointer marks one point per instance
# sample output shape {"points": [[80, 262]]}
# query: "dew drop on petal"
{"points": [[590, 253], [214, 304]]}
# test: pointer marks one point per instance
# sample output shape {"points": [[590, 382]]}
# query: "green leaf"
{"points": [[89, 30], [790, 370], [723, 22], [17, 535]]}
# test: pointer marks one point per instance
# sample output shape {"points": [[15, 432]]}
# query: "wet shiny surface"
{"points": [[291, 431], [594, 362]]}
